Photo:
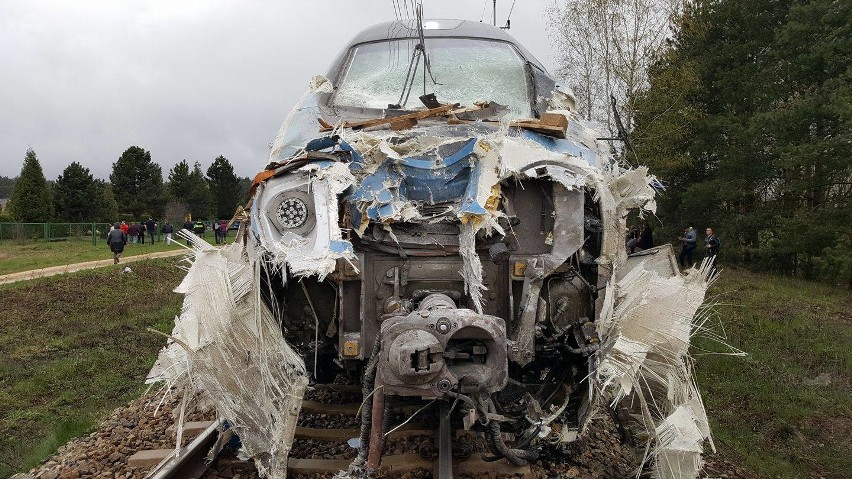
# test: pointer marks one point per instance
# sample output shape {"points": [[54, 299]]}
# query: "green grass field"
{"points": [[15, 256], [73, 348], [767, 411]]}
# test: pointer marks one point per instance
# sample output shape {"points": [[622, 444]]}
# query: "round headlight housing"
{"points": [[292, 211]]}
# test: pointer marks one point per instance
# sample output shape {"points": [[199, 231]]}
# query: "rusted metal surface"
{"points": [[374, 458]]}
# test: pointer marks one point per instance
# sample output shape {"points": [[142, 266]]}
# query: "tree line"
{"points": [[744, 113], [135, 190]]}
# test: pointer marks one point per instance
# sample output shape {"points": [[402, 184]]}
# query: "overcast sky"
{"points": [[84, 80]]}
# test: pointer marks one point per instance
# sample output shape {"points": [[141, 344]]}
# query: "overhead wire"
{"points": [[509, 17]]}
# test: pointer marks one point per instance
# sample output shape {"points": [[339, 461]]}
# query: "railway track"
{"points": [[416, 444], [321, 447]]}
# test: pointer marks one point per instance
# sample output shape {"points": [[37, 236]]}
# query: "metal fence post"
{"points": [[47, 232], [94, 239]]}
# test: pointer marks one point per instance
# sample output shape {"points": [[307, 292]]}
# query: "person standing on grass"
{"points": [[688, 240], [223, 229], [151, 228], [187, 225], [216, 232], [123, 227], [167, 232], [133, 232], [116, 239], [141, 232]]}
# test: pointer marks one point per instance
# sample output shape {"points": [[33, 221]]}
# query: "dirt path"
{"points": [[70, 268]]}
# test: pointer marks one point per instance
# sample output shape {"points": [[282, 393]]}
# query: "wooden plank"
{"points": [[417, 115], [314, 407], [403, 463], [403, 124], [554, 119], [194, 428], [316, 466], [324, 125], [149, 458], [554, 131], [475, 466]]}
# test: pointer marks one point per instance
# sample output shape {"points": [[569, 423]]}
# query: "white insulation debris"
{"points": [[236, 354], [644, 362]]}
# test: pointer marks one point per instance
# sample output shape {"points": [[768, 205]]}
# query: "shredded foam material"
{"points": [[644, 363], [235, 353]]}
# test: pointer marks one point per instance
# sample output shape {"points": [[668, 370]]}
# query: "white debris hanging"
{"points": [[236, 354]]}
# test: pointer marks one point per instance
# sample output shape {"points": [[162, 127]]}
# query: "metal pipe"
{"points": [[494, 10], [374, 458], [445, 444]]}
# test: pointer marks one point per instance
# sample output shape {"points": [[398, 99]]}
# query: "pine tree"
{"points": [[179, 182], [105, 206], [747, 118], [6, 187], [137, 183], [224, 186], [199, 199], [31, 200], [75, 194]]}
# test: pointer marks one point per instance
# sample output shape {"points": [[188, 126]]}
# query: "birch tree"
{"points": [[605, 48]]}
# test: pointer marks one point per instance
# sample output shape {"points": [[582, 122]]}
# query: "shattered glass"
{"points": [[466, 71]]}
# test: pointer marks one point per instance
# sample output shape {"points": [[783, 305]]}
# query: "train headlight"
{"points": [[292, 211]]}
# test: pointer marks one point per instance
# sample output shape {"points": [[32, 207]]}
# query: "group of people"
{"points": [[120, 233], [642, 238], [220, 228], [137, 232], [689, 240]]}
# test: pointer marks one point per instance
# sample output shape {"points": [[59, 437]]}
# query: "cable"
{"points": [[510, 12]]}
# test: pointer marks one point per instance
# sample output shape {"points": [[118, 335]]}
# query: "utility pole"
{"points": [[494, 16]]}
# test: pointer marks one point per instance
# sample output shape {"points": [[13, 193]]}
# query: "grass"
{"points": [[73, 348], [767, 413], [16, 256]]}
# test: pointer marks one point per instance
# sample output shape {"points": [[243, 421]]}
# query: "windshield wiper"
{"points": [[408, 85]]}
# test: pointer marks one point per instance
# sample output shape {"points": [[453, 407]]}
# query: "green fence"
{"points": [[22, 232]]}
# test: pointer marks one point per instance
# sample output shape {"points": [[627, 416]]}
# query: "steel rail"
{"points": [[187, 462]]}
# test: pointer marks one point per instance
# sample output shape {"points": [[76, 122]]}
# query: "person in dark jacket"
{"points": [[151, 228], [711, 248], [711, 244], [167, 230], [116, 239], [187, 225], [646, 237], [141, 232]]}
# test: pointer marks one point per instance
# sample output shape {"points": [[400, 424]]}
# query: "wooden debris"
{"points": [[550, 124]]}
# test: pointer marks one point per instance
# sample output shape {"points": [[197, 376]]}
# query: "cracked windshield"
{"points": [[465, 70]]}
